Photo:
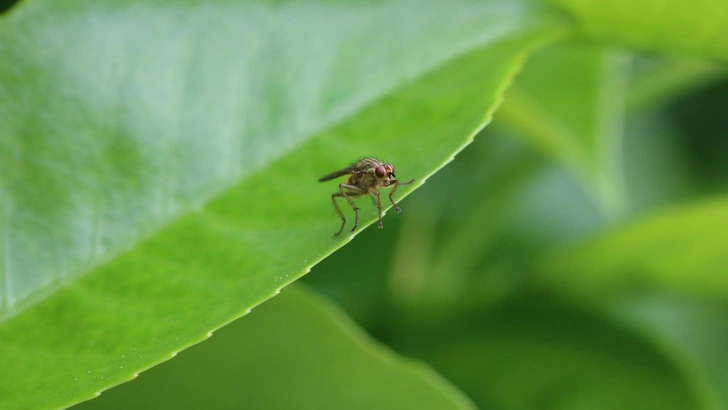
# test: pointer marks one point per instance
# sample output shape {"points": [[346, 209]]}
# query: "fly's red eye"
{"points": [[380, 172]]}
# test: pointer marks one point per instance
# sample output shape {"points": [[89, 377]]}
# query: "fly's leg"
{"points": [[396, 185], [338, 210], [379, 206], [353, 191]]}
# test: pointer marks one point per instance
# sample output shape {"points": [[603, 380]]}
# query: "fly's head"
{"points": [[385, 173]]}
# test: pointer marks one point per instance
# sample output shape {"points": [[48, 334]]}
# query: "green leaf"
{"points": [[657, 168], [663, 275], [674, 250], [699, 28], [693, 329], [295, 351], [159, 159]]}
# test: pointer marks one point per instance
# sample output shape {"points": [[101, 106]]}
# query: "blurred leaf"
{"points": [[656, 168], [700, 122], [295, 351], [6, 4], [694, 330], [699, 27], [664, 275], [676, 250], [135, 114], [569, 102], [536, 353]]}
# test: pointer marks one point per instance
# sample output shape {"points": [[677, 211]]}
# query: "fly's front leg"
{"points": [[396, 185], [379, 207]]}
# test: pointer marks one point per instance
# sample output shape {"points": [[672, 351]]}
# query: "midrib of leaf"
{"points": [[100, 256], [612, 96], [5, 255]]}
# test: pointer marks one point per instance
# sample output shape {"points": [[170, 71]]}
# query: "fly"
{"points": [[366, 177]]}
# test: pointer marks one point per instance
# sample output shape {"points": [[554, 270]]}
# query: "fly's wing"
{"points": [[346, 171], [359, 166]]}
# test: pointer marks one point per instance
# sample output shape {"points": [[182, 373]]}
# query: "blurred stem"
{"points": [[671, 80], [610, 183]]}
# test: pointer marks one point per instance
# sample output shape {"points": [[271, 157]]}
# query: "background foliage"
{"points": [[157, 181]]}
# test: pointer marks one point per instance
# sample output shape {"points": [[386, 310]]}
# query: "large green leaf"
{"points": [[698, 27], [126, 125], [159, 159], [295, 351]]}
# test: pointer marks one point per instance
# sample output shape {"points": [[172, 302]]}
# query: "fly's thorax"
{"points": [[353, 179], [369, 180], [363, 180]]}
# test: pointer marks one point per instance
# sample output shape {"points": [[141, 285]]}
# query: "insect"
{"points": [[366, 176]]}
